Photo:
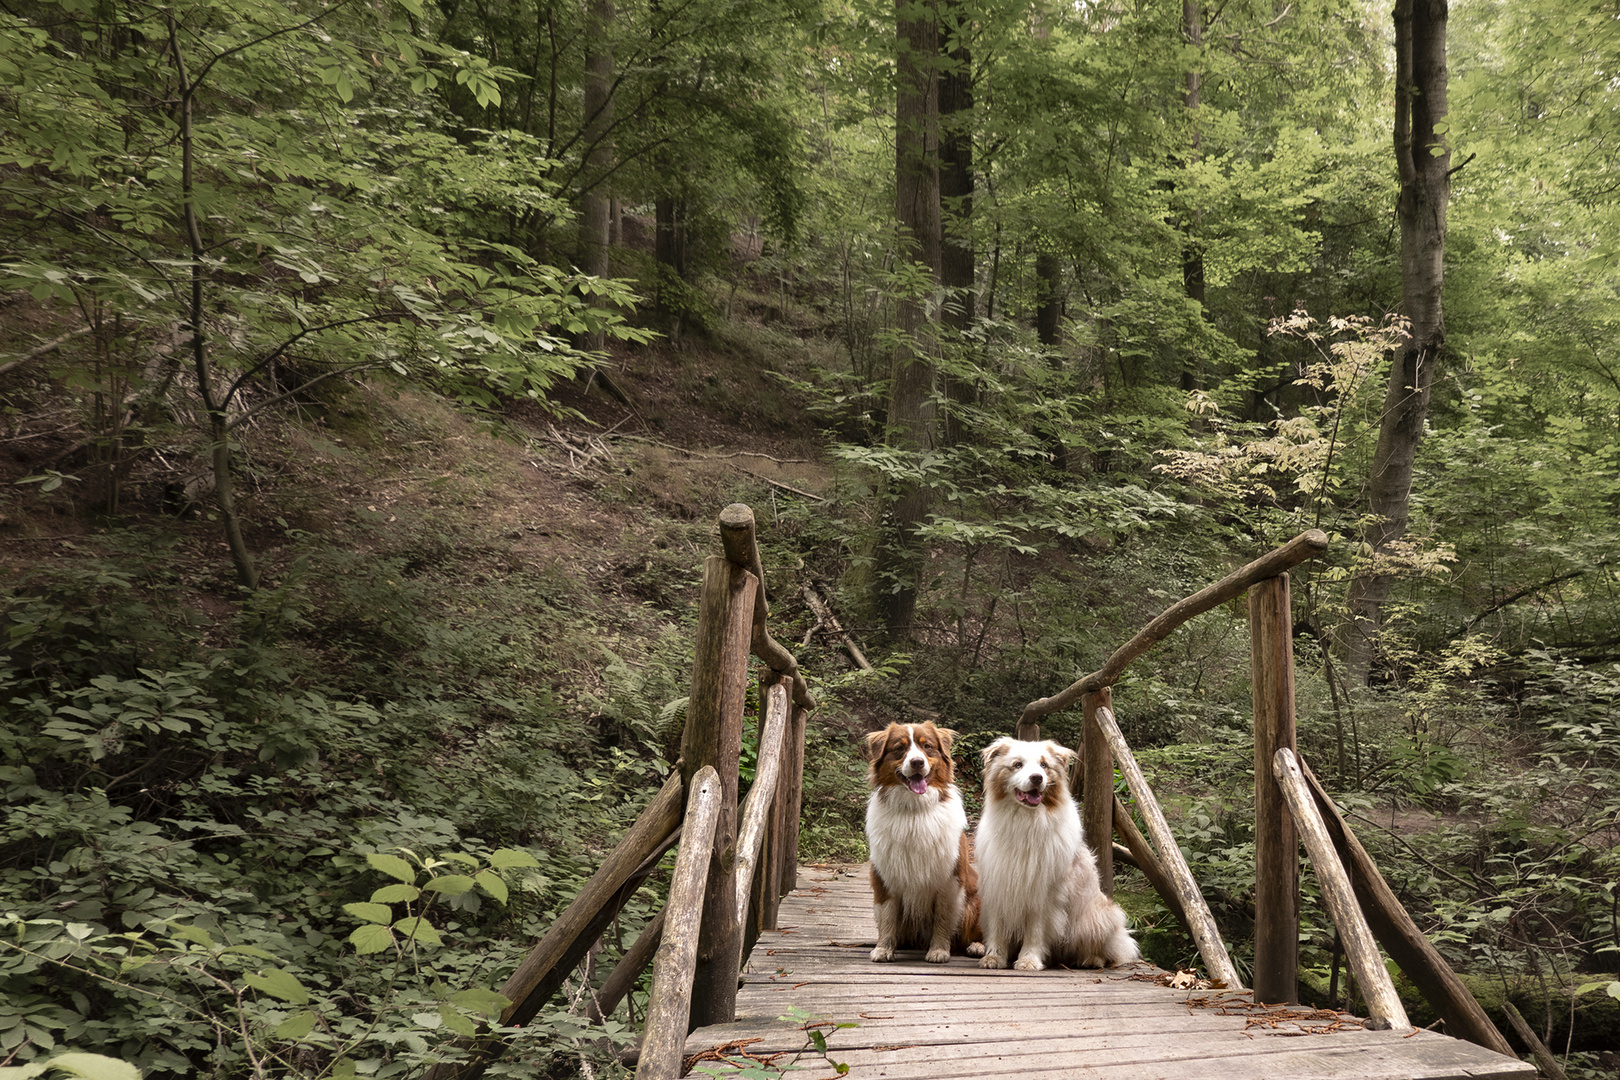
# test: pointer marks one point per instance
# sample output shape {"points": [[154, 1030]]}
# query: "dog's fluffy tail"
{"points": [[1098, 933]]}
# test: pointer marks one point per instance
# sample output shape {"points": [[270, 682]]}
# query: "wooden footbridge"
{"points": [[745, 981], [912, 1020]]}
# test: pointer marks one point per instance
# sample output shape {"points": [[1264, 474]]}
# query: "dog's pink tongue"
{"points": [[917, 784], [1030, 798]]}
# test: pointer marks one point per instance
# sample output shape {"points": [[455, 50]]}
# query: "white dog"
{"points": [[1038, 886]]}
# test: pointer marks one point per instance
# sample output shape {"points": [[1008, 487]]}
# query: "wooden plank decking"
{"points": [[919, 1020]]}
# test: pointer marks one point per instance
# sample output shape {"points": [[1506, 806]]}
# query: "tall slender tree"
{"points": [[596, 131], [957, 267], [1424, 164], [913, 415]]}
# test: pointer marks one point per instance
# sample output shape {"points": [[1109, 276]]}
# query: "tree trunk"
{"points": [[956, 270], [1192, 251], [597, 121], [912, 413], [1048, 331], [669, 234], [1423, 161], [214, 403]]}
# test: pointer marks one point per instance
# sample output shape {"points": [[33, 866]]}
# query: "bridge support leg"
{"points": [[1097, 803], [1276, 843]]}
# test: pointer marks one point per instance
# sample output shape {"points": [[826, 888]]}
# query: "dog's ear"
{"points": [[1064, 755], [946, 737], [873, 744], [1066, 759], [996, 749]]}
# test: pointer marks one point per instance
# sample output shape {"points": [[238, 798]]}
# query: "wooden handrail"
{"points": [[739, 540], [670, 1003], [1306, 545], [757, 805], [1384, 1006], [1199, 919]]}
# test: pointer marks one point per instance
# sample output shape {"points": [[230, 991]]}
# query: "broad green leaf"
{"points": [[501, 858], [483, 1001], [296, 1026], [278, 983], [195, 934], [94, 1066], [249, 950], [372, 913], [491, 882], [450, 884], [395, 894], [371, 939], [457, 1022], [393, 866], [419, 930]]}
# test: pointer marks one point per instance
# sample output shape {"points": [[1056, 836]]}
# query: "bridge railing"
{"points": [[734, 864], [1290, 805]]}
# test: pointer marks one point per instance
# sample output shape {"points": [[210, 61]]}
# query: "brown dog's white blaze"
{"points": [[914, 756]]}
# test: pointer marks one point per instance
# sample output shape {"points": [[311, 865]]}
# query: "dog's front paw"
{"points": [[976, 949], [993, 961], [883, 954], [938, 956], [1028, 963]]}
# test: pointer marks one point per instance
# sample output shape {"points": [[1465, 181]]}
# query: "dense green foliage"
{"points": [[297, 808]]}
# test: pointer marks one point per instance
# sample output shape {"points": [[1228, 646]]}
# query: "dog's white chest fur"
{"points": [[1025, 853], [914, 839]]}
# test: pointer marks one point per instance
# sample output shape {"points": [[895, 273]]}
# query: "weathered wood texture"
{"points": [[1097, 793], [739, 540], [756, 810], [788, 805], [1419, 960], [713, 737], [1276, 844], [1199, 919], [1383, 1004], [921, 1021], [1307, 545], [669, 1004]]}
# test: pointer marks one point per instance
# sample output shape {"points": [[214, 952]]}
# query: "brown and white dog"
{"points": [[1039, 887], [924, 887]]}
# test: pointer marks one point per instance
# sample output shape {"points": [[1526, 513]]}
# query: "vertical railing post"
{"points": [[789, 797], [1097, 806], [714, 737], [778, 866], [1276, 843]]}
